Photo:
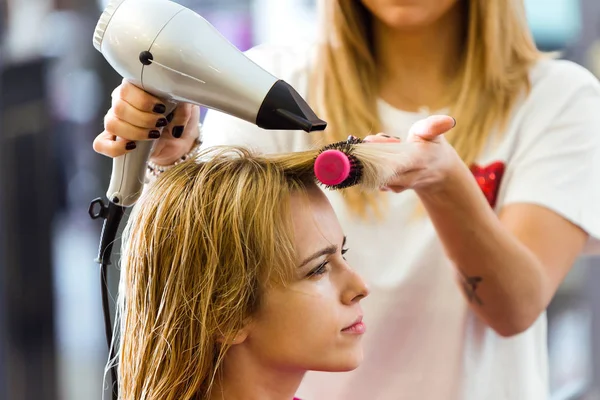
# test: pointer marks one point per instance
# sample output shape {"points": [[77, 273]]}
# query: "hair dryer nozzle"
{"points": [[283, 108]]}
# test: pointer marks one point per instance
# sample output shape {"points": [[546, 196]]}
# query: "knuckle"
{"points": [[148, 121], [148, 102], [97, 145], [119, 109], [137, 134], [111, 125], [184, 111], [124, 90], [101, 147]]}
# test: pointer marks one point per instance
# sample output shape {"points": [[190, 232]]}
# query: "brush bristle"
{"points": [[356, 168]]}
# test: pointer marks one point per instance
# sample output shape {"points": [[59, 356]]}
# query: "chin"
{"points": [[405, 19], [345, 362]]}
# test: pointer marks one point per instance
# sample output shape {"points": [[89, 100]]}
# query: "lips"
{"points": [[357, 327]]}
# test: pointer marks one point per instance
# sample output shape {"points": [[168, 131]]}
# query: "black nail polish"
{"points": [[130, 146], [159, 108], [396, 137], [387, 136], [170, 116], [154, 134], [177, 131], [454, 121], [162, 122]]}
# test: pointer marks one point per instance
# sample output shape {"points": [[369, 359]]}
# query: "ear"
{"points": [[238, 338]]}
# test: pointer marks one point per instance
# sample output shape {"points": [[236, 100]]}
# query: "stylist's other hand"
{"points": [[431, 157], [136, 115]]}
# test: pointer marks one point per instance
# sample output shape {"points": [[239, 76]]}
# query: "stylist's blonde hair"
{"points": [[498, 52], [199, 249]]}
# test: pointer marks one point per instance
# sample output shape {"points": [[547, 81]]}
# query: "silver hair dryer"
{"points": [[176, 55]]}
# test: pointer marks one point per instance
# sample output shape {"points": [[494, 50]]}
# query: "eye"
{"points": [[344, 251], [320, 270]]}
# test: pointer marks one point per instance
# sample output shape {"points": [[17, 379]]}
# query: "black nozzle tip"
{"points": [[283, 108], [301, 122], [318, 125]]}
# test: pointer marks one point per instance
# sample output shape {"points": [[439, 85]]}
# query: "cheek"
{"points": [[303, 307], [294, 320]]}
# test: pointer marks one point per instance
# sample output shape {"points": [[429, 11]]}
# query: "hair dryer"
{"points": [[174, 54]]}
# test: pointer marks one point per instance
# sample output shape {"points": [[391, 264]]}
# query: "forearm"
{"points": [[502, 279]]}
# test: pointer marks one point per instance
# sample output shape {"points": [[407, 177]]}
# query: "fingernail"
{"points": [[387, 136], [396, 137], [454, 121], [154, 134], [159, 108], [170, 116], [177, 131], [130, 146], [162, 122]]}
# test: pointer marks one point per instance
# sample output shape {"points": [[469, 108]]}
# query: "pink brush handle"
{"points": [[332, 167]]}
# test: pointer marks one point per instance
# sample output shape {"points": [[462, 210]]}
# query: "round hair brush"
{"points": [[352, 162], [336, 167], [355, 162]]}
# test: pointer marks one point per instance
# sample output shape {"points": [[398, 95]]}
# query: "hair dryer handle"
{"points": [[129, 170]]}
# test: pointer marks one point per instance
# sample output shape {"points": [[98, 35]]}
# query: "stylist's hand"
{"points": [[136, 115], [432, 158]]}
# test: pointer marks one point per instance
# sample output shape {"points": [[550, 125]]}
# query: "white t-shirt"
{"points": [[422, 341]]}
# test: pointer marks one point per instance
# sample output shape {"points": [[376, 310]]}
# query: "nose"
{"points": [[355, 288]]}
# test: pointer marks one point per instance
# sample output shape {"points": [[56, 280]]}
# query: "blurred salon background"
{"points": [[54, 90]]}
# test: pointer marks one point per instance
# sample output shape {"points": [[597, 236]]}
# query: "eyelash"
{"points": [[321, 269]]}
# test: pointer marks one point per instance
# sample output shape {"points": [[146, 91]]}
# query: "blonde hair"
{"points": [[199, 249], [498, 52]]}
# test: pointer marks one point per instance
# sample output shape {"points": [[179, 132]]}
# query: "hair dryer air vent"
{"points": [[104, 21]]}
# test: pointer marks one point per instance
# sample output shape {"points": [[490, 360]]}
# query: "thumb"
{"points": [[431, 127]]}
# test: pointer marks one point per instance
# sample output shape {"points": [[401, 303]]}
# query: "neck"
{"points": [[416, 67], [244, 377]]}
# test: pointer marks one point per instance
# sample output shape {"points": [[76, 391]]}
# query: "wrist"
{"points": [[455, 179], [155, 169], [171, 152]]}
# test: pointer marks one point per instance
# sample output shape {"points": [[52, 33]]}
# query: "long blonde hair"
{"points": [[498, 52], [199, 249]]}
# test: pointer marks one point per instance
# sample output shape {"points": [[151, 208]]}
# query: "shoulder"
{"points": [[557, 80], [561, 92], [553, 144]]}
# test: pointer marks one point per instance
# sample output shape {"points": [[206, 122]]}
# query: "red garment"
{"points": [[488, 177]]}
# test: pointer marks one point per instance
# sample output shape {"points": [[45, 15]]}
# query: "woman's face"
{"points": [[314, 323], [409, 14]]}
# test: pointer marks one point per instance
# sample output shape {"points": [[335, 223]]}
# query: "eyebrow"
{"points": [[324, 251]]}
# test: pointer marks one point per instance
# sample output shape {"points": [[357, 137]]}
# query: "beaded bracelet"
{"points": [[155, 170]]}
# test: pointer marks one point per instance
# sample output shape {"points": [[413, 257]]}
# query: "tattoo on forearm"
{"points": [[470, 284]]}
